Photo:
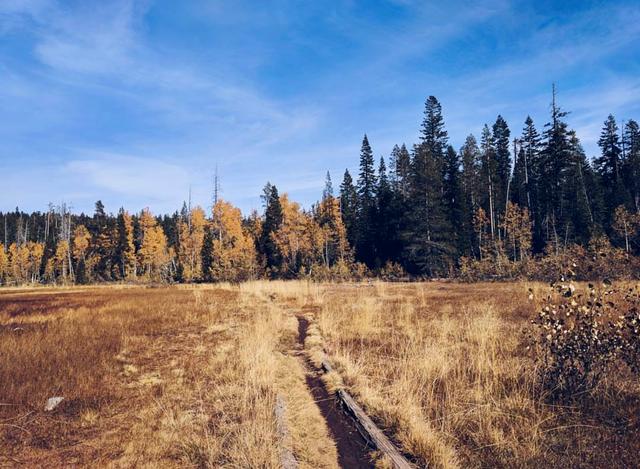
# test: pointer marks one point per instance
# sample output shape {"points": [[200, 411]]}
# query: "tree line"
{"points": [[499, 207], [498, 200]]}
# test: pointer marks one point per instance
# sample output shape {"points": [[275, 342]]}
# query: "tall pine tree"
{"points": [[501, 141], [554, 165], [631, 163], [385, 217], [471, 185], [609, 167], [433, 134], [427, 239], [272, 222], [456, 209], [489, 178], [349, 206], [528, 172], [365, 225], [579, 178]]}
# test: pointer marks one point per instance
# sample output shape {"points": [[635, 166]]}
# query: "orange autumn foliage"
{"points": [[231, 251], [154, 256], [191, 238]]}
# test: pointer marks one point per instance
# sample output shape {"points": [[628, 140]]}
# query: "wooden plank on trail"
{"points": [[368, 429], [287, 458]]}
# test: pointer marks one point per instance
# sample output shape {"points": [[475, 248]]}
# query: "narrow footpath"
{"points": [[353, 451]]}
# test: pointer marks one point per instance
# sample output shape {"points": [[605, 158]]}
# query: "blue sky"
{"points": [[133, 102]]}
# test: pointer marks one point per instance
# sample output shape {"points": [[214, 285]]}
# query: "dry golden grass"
{"points": [[189, 376], [152, 377], [444, 368]]}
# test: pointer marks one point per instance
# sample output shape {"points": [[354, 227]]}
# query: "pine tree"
{"points": [[385, 232], [554, 165], [489, 177], [272, 222], [518, 193], [471, 167], [529, 170], [398, 206], [367, 175], [524, 170], [434, 137], [393, 164], [365, 229], [609, 167], [578, 201], [349, 206], [99, 213], [456, 209], [631, 163], [471, 186], [427, 239], [501, 141], [428, 244], [328, 187], [171, 226], [402, 171], [207, 254]]}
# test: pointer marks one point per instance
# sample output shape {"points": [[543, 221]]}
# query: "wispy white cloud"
{"points": [[131, 176], [97, 40], [100, 48]]}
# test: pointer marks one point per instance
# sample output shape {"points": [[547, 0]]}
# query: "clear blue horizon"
{"points": [[134, 102]]}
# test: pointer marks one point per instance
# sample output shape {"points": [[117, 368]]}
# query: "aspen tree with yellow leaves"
{"points": [[516, 226], [229, 252], [4, 265], [154, 255], [298, 240], [335, 246], [625, 225], [81, 242], [126, 249], [19, 263], [480, 223], [60, 268], [36, 252], [191, 236]]}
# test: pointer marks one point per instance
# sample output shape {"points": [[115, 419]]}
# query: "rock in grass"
{"points": [[52, 403]]}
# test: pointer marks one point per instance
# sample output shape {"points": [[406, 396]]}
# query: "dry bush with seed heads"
{"points": [[580, 336]]}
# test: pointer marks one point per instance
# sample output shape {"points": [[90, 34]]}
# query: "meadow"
{"points": [[177, 376]]}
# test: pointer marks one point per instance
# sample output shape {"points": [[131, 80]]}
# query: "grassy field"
{"points": [[190, 376]]}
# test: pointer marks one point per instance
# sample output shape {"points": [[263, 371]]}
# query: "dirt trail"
{"points": [[353, 451]]}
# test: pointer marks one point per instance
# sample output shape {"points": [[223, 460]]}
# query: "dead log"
{"points": [[287, 458], [369, 430]]}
